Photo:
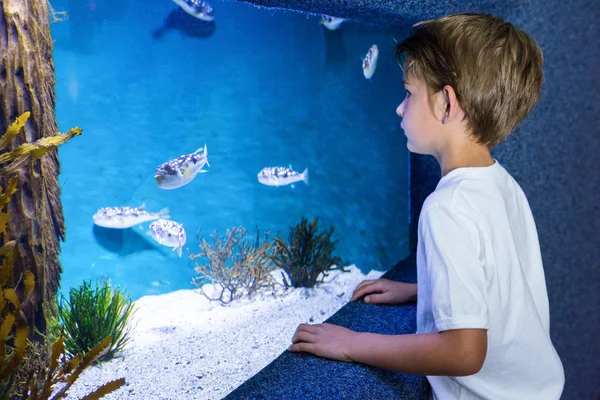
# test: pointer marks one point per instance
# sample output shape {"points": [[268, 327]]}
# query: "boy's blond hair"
{"points": [[494, 68]]}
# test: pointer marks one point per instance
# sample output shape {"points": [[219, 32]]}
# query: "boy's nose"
{"points": [[400, 110]]}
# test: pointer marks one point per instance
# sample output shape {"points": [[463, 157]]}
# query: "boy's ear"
{"points": [[451, 107]]}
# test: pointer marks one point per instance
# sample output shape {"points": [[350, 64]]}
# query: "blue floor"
{"points": [[266, 88]]}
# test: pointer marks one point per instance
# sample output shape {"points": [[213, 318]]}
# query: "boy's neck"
{"points": [[466, 155]]}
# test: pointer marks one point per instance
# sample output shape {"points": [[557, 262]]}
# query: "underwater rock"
{"points": [[187, 25]]}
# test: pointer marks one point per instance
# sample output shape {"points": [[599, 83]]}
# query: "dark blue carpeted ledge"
{"points": [[303, 376]]}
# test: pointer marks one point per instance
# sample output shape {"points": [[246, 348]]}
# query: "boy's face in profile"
{"points": [[420, 124]]}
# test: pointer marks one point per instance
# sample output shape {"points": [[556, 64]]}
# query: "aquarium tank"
{"points": [[236, 116], [232, 171]]}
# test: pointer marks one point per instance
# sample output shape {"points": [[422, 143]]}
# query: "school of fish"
{"points": [[182, 170]]}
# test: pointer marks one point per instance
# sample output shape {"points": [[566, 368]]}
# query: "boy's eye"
{"points": [[407, 93]]}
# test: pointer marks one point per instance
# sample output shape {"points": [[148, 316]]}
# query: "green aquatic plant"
{"points": [[92, 313], [236, 266], [307, 256], [25, 370]]}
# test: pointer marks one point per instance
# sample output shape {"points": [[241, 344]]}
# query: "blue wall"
{"points": [[267, 88], [554, 157]]}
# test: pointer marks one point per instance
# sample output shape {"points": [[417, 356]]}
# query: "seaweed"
{"points": [[91, 314], [64, 372], [20, 374], [236, 266], [29, 151], [307, 257]]}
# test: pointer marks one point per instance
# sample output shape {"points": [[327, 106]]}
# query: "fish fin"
{"points": [[205, 154], [179, 251], [143, 206], [305, 176], [293, 186], [203, 148], [164, 213]]}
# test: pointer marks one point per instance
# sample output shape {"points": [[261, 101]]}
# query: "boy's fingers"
{"points": [[305, 333], [365, 282], [308, 328], [367, 289], [377, 298], [356, 290], [303, 337], [299, 347], [361, 287]]}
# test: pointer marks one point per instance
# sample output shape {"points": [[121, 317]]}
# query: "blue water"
{"points": [[268, 87]]}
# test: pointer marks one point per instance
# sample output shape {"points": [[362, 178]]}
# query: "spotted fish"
{"points": [[126, 217], [331, 23], [168, 233], [197, 9], [181, 170], [280, 176], [369, 63]]}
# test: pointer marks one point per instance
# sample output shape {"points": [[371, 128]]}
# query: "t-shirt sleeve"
{"points": [[457, 281]]}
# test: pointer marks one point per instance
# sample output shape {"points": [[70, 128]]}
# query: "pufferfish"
{"points": [[168, 233], [181, 170], [331, 23], [280, 176], [126, 217], [369, 63], [197, 9]]}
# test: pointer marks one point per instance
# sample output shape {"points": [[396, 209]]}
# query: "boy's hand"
{"points": [[385, 291], [323, 340]]}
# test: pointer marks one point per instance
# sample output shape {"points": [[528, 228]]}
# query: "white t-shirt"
{"points": [[479, 266]]}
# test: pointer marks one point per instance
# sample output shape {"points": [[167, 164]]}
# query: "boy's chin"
{"points": [[416, 150]]}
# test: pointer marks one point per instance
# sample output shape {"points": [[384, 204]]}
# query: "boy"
{"points": [[482, 305]]}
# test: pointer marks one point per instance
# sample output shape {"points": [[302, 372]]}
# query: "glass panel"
{"points": [[259, 88]]}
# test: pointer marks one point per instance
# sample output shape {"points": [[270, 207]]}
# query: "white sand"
{"points": [[185, 347]]}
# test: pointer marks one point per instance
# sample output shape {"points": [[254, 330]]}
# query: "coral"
{"points": [[308, 257], [91, 314], [236, 266], [23, 374]]}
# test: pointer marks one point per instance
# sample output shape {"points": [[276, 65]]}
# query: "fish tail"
{"points": [[305, 176], [201, 149], [206, 154], [164, 213]]}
